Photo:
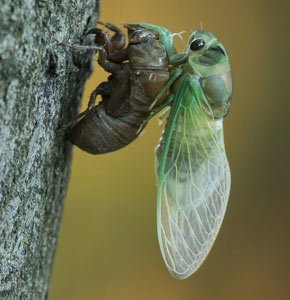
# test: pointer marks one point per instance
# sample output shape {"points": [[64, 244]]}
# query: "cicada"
{"points": [[192, 169]]}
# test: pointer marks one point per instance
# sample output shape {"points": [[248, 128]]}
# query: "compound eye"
{"points": [[197, 44]]}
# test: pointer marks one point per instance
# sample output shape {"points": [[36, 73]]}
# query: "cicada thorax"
{"points": [[218, 89]]}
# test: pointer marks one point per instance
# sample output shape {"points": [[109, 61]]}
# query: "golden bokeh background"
{"points": [[108, 246]]}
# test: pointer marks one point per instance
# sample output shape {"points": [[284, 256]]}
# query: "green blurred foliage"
{"points": [[108, 245]]}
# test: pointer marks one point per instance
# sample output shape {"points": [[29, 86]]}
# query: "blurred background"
{"points": [[108, 246]]}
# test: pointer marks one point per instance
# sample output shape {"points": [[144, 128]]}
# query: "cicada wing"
{"points": [[193, 187]]}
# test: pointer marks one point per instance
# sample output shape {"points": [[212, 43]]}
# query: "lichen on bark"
{"points": [[41, 85]]}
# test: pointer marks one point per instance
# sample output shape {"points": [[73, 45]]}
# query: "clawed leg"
{"points": [[103, 89], [114, 45], [102, 59], [102, 40], [106, 64], [82, 47], [101, 37], [118, 39]]}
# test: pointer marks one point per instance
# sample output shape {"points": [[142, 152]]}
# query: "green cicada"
{"points": [[191, 164]]}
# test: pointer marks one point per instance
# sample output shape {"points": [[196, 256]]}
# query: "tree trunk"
{"points": [[41, 84]]}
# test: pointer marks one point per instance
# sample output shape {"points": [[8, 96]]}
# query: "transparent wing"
{"points": [[193, 182]]}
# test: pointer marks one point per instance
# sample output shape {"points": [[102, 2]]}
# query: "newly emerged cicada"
{"points": [[192, 169]]}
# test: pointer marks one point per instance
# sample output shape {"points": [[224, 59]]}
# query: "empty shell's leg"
{"points": [[107, 65], [101, 37], [118, 39], [114, 45], [103, 89], [82, 47]]}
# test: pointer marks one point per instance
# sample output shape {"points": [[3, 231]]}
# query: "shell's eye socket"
{"points": [[197, 44]]}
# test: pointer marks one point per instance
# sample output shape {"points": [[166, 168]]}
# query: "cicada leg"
{"points": [[82, 47], [100, 42], [107, 65], [118, 40], [103, 89], [101, 37], [164, 115], [114, 45]]}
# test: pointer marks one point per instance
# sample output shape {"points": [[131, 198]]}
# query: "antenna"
{"points": [[200, 24]]}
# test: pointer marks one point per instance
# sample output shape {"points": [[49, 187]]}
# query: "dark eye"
{"points": [[197, 44]]}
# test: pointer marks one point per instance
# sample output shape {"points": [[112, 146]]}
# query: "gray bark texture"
{"points": [[41, 84]]}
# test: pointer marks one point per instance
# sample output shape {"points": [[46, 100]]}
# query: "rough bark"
{"points": [[40, 87]]}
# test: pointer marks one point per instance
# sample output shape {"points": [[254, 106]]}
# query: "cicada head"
{"points": [[206, 54]]}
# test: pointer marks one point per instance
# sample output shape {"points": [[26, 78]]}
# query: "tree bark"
{"points": [[41, 84]]}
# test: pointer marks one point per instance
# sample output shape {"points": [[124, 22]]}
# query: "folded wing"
{"points": [[193, 182]]}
